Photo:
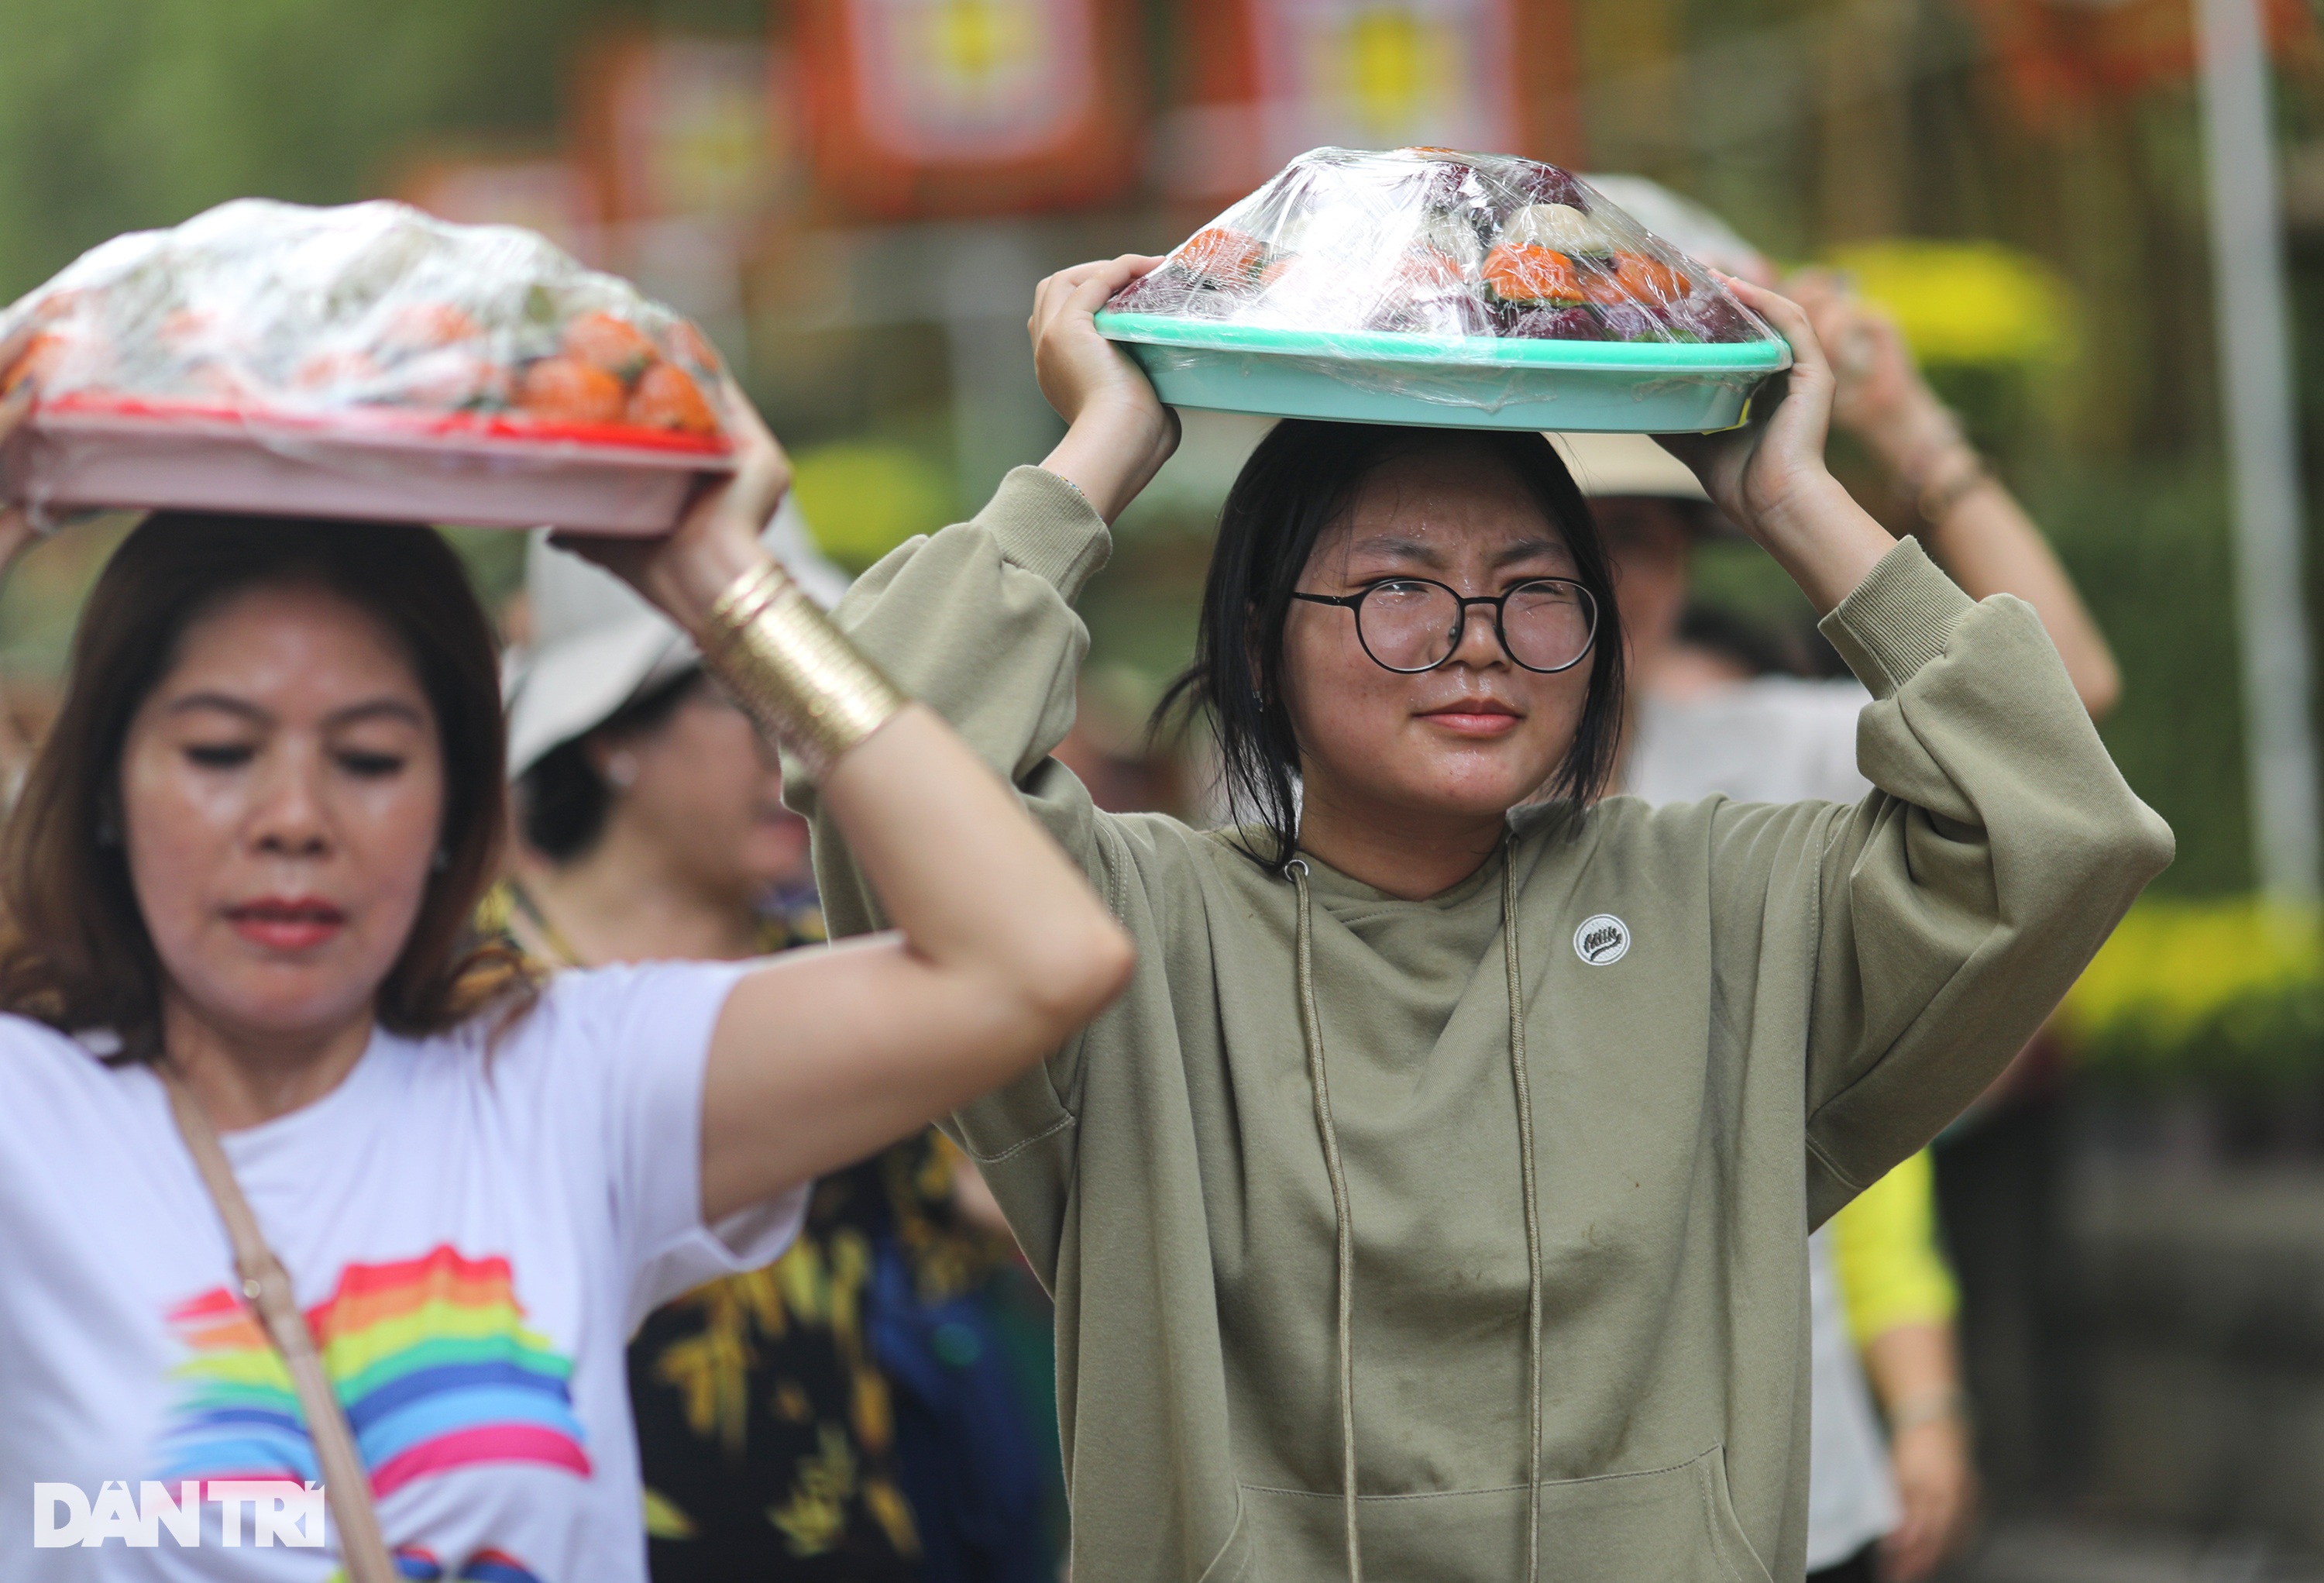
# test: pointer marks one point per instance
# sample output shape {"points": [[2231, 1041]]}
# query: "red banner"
{"points": [[677, 128], [941, 107], [2059, 56], [1271, 78]]}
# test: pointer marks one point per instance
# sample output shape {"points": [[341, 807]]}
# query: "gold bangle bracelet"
{"points": [[795, 673]]}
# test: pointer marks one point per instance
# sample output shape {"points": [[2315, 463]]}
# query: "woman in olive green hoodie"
{"points": [[1435, 1204]]}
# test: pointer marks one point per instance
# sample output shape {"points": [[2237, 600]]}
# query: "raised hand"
{"points": [[1119, 431], [1769, 476], [1754, 471], [717, 541], [1878, 395]]}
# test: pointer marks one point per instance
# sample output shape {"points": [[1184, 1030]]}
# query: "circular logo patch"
{"points": [[1601, 940]]}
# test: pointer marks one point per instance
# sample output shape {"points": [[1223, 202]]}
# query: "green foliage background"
{"points": [[116, 115], [122, 113]]}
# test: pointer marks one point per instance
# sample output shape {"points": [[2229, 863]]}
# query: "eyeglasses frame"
{"points": [[1500, 602]]}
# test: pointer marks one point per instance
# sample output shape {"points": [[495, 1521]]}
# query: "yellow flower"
{"points": [[2172, 966], [663, 1518], [815, 1518], [1966, 302]]}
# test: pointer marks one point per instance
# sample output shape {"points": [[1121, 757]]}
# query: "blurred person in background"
{"points": [[1713, 713], [848, 1413]]}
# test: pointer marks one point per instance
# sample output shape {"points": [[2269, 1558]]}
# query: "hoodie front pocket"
{"points": [[1669, 1524]]}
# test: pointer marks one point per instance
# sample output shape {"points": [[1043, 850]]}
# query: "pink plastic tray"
{"points": [[90, 452]]}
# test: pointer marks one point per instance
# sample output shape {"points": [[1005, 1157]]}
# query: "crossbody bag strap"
{"points": [[347, 1487]]}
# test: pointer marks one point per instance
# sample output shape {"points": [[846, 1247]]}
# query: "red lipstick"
{"points": [[286, 923]]}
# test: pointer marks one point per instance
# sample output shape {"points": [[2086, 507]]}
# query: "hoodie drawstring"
{"points": [[1342, 1222], [1311, 1027], [1523, 1080]]}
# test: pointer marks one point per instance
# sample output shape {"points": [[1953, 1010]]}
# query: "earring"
{"points": [[109, 834], [441, 861], [622, 769]]}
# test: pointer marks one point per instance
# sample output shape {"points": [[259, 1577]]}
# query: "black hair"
{"points": [[562, 802], [75, 951], [1302, 480]]}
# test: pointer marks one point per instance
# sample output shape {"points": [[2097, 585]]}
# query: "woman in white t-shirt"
{"points": [[248, 854]]}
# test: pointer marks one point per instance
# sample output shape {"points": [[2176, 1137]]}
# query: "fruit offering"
{"points": [[366, 362], [1427, 242], [261, 308]]}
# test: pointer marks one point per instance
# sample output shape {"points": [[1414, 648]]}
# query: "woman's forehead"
{"points": [[1438, 531], [294, 636], [1447, 499]]}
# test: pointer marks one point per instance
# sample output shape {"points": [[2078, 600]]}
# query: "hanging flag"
{"points": [[686, 128], [1272, 78], [970, 107], [2059, 57], [1384, 73], [553, 196]]}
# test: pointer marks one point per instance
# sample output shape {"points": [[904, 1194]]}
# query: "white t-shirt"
{"points": [[1782, 739], [473, 1233], [1771, 739]]}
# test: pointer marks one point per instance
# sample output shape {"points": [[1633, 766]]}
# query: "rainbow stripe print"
{"points": [[431, 1360], [486, 1566], [489, 1566]]}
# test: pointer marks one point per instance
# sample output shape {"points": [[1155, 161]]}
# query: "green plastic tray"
{"points": [[1627, 387]]}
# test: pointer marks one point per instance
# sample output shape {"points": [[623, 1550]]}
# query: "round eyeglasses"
{"points": [[1409, 624]]}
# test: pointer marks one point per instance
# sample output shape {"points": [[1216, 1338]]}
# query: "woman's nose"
{"points": [[1480, 639], [290, 818]]}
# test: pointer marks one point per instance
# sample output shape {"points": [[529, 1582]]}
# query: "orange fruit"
{"points": [[1636, 278], [668, 398], [566, 390], [40, 359], [424, 325], [325, 369], [614, 344], [1222, 255], [186, 326], [1429, 271], [1530, 273]]}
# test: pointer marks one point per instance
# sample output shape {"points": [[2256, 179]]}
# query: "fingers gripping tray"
{"points": [[366, 362], [1426, 287]]}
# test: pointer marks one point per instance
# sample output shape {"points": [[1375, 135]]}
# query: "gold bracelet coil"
{"points": [[795, 673]]}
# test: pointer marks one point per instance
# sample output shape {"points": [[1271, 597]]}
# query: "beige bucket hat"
{"points": [[595, 644], [1607, 466]]}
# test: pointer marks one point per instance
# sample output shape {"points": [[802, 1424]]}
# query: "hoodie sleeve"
{"points": [[1961, 898], [977, 622]]}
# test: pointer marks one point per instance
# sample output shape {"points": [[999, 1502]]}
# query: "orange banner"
{"points": [[939, 107], [1271, 78], [2058, 57], [677, 127]]}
